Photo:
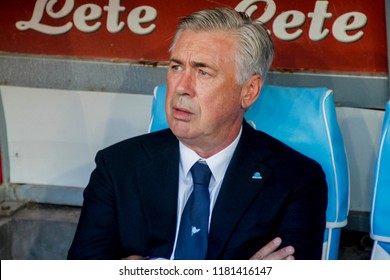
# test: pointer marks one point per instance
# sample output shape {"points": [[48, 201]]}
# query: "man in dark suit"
{"points": [[264, 200]]}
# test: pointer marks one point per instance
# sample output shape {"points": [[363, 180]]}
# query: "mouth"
{"points": [[181, 113]]}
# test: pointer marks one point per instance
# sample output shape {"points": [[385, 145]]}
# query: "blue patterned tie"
{"points": [[193, 233]]}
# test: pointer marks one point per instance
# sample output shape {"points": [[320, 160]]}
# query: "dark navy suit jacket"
{"points": [[130, 202]]}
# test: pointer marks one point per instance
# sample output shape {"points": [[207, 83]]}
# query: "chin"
{"points": [[180, 132]]}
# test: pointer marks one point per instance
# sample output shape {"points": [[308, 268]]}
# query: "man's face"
{"points": [[203, 103]]}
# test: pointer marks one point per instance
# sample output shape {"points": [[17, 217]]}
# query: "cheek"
{"points": [[223, 102], [168, 104], [214, 110]]}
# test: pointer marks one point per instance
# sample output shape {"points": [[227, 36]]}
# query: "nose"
{"points": [[186, 83]]}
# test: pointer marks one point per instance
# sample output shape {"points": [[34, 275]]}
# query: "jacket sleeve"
{"points": [[303, 223], [96, 235]]}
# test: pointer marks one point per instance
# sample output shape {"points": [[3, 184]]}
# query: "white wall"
{"points": [[53, 135]]}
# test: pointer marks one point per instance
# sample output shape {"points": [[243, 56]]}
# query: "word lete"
{"points": [[347, 28], [87, 13], [289, 20]]}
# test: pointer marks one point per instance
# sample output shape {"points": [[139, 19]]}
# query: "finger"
{"points": [[285, 253], [267, 249], [134, 257]]}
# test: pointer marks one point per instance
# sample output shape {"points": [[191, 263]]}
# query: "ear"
{"points": [[251, 91]]}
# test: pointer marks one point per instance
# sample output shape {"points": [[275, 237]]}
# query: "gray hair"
{"points": [[255, 46]]}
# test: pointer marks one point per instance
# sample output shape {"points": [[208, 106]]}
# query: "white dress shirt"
{"points": [[217, 163]]}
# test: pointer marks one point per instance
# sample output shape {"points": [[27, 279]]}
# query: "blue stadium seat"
{"points": [[380, 203]]}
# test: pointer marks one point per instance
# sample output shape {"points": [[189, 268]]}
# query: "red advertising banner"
{"points": [[309, 35]]}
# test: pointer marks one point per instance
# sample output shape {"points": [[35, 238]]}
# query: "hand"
{"points": [[138, 257], [270, 252], [135, 257]]}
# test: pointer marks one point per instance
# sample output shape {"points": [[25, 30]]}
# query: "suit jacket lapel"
{"points": [[238, 189], [158, 186]]}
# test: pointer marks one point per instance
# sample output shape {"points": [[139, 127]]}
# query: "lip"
{"points": [[181, 113]]}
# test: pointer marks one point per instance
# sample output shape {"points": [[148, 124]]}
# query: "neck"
{"points": [[207, 150]]}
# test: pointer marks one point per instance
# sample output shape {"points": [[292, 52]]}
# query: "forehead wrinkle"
{"points": [[196, 53]]}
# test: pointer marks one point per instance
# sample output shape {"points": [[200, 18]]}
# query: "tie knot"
{"points": [[201, 174]]}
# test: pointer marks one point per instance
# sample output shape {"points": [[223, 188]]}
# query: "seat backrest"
{"points": [[380, 203], [305, 119], [158, 119]]}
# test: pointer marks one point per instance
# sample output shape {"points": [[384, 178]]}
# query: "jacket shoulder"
{"points": [[142, 147], [282, 153]]}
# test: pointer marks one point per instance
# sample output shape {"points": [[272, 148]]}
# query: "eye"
{"points": [[176, 67], [203, 73]]}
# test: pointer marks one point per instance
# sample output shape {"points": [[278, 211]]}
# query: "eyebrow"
{"points": [[193, 63], [177, 61], [200, 64]]}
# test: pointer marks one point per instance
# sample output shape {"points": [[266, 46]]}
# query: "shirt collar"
{"points": [[217, 163]]}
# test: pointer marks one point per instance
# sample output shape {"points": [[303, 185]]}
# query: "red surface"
{"points": [[367, 55]]}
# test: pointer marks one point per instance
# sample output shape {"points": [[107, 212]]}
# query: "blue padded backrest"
{"points": [[304, 119], [380, 206], [158, 119]]}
